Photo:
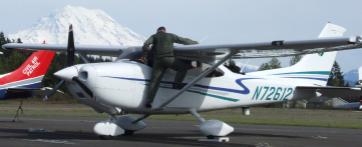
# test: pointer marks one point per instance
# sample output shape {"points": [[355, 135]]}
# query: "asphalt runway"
{"points": [[36, 132]]}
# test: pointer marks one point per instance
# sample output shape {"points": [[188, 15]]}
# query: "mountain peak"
{"points": [[351, 77], [91, 26]]}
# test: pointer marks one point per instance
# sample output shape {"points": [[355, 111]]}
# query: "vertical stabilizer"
{"points": [[31, 72], [315, 68]]}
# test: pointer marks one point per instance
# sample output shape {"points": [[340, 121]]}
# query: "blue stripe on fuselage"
{"points": [[239, 82]]}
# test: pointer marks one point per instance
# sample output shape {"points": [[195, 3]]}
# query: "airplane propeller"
{"points": [[70, 62]]}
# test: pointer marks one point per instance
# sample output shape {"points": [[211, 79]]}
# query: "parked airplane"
{"points": [[26, 79], [119, 87]]}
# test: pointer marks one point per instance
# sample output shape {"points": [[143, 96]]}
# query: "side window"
{"points": [[203, 66]]}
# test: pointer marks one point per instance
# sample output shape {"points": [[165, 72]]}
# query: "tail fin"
{"points": [[314, 67], [31, 72]]}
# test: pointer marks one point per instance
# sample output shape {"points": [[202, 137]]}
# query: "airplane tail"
{"points": [[313, 68], [31, 72]]}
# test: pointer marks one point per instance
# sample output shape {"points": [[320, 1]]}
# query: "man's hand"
{"points": [[142, 59]]}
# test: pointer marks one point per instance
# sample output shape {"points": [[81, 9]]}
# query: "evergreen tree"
{"points": [[11, 59], [2, 38], [295, 59], [274, 63], [18, 40], [336, 76], [264, 66]]}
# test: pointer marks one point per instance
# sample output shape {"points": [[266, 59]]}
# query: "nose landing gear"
{"points": [[116, 126]]}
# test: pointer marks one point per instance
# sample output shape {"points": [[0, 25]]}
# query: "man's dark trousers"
{"points": [[159, 67]]}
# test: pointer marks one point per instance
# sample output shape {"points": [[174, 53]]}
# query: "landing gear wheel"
{"points": [[105, 137], [128, 133], [210, 137]]}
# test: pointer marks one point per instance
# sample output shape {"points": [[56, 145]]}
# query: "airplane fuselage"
{"points": [[123, 84]]}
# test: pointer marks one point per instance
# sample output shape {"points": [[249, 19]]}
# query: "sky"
{"points": [[211, 21]]}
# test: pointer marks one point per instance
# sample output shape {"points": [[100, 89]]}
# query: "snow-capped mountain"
{"points": [[351, 77], [91, 26]]}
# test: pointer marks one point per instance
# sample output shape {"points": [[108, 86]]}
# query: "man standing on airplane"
{"points": [[164, 58]]}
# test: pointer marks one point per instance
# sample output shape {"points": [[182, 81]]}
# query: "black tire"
{"points": [[210, 137], [105, 137], [128, 132]]}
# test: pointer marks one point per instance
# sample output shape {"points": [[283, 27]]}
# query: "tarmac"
{"points": [[37, 132]]}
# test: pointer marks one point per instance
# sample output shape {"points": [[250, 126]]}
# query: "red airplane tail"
{"points": [[35, 67]]}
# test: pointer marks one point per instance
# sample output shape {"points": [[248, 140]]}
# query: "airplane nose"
{"points": [[67, 73]]}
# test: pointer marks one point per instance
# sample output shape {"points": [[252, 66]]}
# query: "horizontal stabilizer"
{"points": [[330, 92]]}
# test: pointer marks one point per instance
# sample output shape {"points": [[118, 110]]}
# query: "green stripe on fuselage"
{"points": [[307, 72], [215, 96]]}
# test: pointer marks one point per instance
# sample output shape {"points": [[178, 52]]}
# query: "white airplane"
{"points": [[118, 88]]}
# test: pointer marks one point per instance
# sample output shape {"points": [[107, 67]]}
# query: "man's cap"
{"points": [[161, 28]]}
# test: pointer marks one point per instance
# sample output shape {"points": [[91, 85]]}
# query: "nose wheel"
{"points": [[117, 126]]}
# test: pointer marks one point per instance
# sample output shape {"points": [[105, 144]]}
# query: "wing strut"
{"points": [[196, 79], [190, 84]]}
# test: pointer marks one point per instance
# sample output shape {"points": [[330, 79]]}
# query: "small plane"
{"points": [[26, 79], [118, 88]]}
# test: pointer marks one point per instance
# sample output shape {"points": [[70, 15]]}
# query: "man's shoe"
{"points": [[148, 105]]}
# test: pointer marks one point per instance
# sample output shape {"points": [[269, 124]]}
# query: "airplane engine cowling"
{"points": [[120, 84]]}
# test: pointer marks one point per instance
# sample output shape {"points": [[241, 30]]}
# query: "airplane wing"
{"points": [[330, 92], [87, 49], [278, 48]]}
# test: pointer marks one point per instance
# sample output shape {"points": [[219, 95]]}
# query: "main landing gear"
{"points": [[214, 130], [118, 125]]}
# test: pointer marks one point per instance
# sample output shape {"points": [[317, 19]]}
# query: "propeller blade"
{"points": [[52, 91], [70, 47], [70, 62]]}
